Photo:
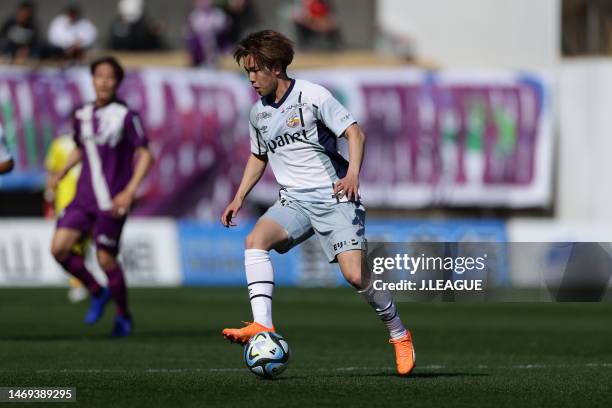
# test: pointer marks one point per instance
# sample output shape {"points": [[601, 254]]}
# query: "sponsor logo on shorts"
{"points": [[345, 243], [105, 240]]}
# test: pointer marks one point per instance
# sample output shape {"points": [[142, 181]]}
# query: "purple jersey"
{"points": [[108, 137]]}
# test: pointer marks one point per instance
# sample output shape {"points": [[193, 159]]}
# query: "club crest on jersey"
{"points": [[285, 139], [293, 121]]}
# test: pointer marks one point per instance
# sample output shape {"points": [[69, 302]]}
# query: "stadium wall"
{"points": [[585, 125], [478, 33], [165, 252], [168, 253]]}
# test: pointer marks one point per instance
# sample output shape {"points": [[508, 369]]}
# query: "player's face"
{"points": [[105, 82], [263, 80]]}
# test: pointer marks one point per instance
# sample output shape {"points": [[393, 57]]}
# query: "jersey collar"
{"points": [[266, 102]]}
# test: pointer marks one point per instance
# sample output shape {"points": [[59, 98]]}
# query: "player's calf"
{"points": [[61, 249], [260, 279], [116, 280], [352, 265]]}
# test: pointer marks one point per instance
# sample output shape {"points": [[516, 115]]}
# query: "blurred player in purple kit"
{"points": [[113, 149]]}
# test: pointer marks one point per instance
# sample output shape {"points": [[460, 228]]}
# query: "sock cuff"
{"points": [[256, 256]]}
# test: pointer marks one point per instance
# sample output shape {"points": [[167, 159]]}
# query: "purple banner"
{"points": [[479, 139]]}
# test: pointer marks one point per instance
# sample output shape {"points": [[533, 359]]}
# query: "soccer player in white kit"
{"points": [[295, 127]]}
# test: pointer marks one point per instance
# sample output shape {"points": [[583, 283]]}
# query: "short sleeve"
{"points": [[258, 145], [134, 130], [334, 115]]}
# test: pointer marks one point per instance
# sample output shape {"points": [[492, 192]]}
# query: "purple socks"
{"points": [[116, 284], [75, 265]]}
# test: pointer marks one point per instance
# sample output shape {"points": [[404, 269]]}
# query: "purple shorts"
{"points": [[103, 227]]}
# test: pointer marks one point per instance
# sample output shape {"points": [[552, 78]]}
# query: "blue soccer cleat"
{"points": [[97, 305], [123, 326]]}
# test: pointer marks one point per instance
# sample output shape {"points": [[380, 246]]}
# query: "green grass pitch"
{"points": [[512, 354]]}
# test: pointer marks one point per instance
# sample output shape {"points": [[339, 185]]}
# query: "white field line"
{"points": [[432, 367]]}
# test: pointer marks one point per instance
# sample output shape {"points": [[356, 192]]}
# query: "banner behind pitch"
{"points": [[443, 138]]}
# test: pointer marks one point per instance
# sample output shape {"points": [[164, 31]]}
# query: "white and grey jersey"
{"points": [[5, 155], [299, 135]]}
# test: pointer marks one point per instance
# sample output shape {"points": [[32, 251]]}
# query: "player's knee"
{"points": [[59, 252], [255, 241], [354, 278], [106, 260], [249, 241]]}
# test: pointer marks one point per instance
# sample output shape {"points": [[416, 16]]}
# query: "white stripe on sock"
{"points": [[384, 306]]}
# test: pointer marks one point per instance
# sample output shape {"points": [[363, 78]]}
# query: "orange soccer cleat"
{"points": [[244, 334], [405, 358]]}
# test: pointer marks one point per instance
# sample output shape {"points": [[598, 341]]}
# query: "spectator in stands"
{"points": [[71, 33], [19, 34], [132, 30], [242, 19], [316, 25], [206, 32]]}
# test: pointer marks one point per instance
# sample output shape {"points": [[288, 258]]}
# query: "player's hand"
{"points": [[53, 181], [231, 211], [122, 203], [348, 186]]}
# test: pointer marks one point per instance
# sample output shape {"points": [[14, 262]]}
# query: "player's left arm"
{"points": [[349, 185], [123, 201]]}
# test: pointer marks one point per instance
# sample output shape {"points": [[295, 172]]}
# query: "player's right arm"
{"points": [[254, 169], [75, 158]]}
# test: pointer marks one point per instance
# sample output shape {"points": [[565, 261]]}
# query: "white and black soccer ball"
{"points": [[267, 354]]}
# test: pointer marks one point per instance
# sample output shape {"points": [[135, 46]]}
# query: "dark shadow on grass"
{"points": [[58, 337], [168, 334], [378, 374], [137, 335], [440, 375], [413, 375]]}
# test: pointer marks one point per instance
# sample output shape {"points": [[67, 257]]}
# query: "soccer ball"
{"points": [[267, 354]]}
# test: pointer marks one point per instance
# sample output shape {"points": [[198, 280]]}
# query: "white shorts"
{"points": [[340, 226]]}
